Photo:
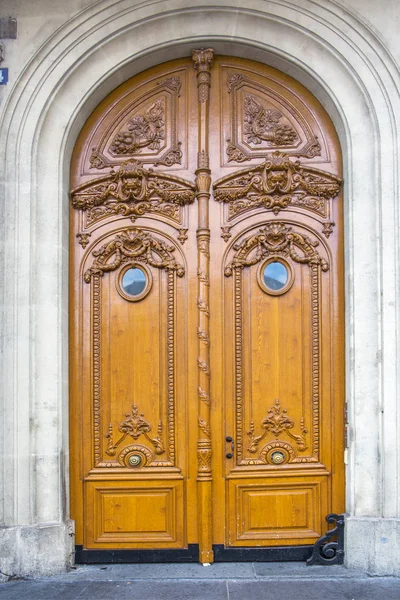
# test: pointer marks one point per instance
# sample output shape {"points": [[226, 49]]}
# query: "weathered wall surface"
{"points": [[67, 57]]}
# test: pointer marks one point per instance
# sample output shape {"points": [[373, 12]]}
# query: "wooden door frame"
{"points": [[206, 546]]}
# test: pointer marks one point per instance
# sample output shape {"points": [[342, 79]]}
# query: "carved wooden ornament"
{"points": [[133, 191], [276, 184]]}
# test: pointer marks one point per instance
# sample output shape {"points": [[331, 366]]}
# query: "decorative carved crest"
{"points": [[277, 239], [132, 191], [275, 184], [132, 246], [277, 421], [134, 426], [145, 130], [262, 124]]}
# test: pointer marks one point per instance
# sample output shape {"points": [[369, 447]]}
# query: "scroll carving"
{"points": [[130, 246], [276, 184], [275, 239], [132, 191], [262, 124], [172, 157], [276, 422], [235, 153], [135, 425]]}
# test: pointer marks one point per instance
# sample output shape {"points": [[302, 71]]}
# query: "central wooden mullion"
{"points": [[203, 60]]}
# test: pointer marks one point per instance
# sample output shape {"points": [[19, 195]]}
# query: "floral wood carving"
{"points": [[146, 133], [134, 426], [132, 246], [277, 239], [262, 124], [145, 130], [275, 184], [276, 422], [132, 191]]}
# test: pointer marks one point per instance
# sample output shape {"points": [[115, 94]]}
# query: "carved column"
{"points": [[203, 60]]}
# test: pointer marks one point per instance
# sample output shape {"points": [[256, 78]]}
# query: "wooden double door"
{"points": [[206, 328]]}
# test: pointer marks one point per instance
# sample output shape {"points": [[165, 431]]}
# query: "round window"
{"points": [[275, 276], [134, 283]]}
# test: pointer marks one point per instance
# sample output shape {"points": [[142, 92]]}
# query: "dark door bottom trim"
{"points": [[191, 554], [175, 555], [273, 554]]}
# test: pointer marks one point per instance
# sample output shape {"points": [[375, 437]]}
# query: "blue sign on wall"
{"points": [[3, 76]]}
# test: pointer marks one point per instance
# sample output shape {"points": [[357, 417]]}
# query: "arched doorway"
{"points": [[207, 393]]}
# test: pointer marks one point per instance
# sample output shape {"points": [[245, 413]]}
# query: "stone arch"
{"points": [[339, 59]]}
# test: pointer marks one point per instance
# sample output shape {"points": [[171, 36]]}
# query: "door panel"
{"points": [[264, 507], [206, 304], [143, 514]]}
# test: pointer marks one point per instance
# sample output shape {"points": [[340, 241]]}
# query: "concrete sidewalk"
{"points": [[221, 581]]}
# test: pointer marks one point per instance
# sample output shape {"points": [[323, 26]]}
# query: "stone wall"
{"points": [[67, 57]]}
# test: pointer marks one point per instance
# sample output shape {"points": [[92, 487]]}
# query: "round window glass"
{"points": [[275, 276], [134, 281]]}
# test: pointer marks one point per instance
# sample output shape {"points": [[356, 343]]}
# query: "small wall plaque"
{"points": [[3, 76]]}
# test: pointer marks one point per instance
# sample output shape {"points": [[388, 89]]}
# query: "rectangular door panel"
{"points": [[275, 511], [144, 513]]}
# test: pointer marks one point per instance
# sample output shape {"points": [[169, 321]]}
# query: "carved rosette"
{"points": [[277, 239], [133, 246], [133, 191], [277, 184]]}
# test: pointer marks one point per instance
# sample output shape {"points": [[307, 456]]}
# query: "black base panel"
{"points": [[191, 554], [274, 554], [90, 557]]}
